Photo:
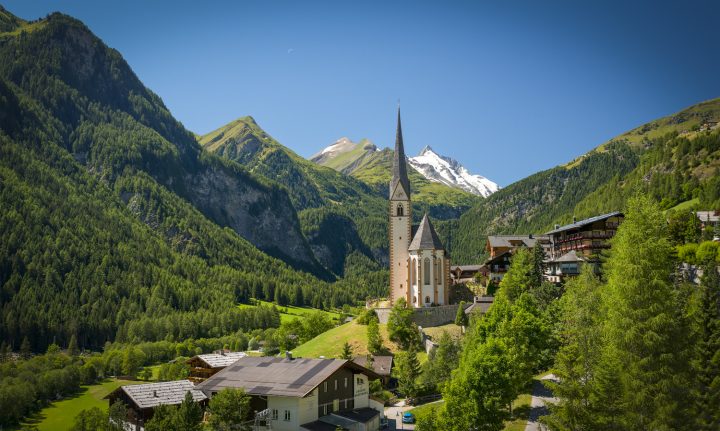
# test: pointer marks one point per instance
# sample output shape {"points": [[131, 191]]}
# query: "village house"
{"points": [[479, 306], [497, 245], [586, 237], [708, 219], [382, 365], [204, 366], [567, 265], [141, 400], [463, 274], [303, 394]]}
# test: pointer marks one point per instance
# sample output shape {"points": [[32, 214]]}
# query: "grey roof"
{"points": [[215, 360], [504, 240], [319, 426], [276, 376], [381, 364], [466, 267], [362, 415], [707, 216], [399, 169], [585, 222], [154, 394], [482, 305], [570, 256], [426, 238]]}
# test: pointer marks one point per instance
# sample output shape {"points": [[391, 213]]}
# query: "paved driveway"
{"points": [[394, 416], [541, 397]]}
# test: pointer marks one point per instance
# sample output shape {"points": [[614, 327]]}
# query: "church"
{"points": [[419, 264]]}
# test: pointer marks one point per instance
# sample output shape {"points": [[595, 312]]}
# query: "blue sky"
{"points": [[508, 88]]}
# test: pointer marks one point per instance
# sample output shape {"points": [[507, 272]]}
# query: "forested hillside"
{"points": [[672, 159], [343, 217], [115, 223]]}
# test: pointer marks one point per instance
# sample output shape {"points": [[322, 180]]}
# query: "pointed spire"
{"points": [[399, 163], [426, 238]]}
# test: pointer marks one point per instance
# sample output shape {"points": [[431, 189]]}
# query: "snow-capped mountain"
{"points": [[448, 171]]}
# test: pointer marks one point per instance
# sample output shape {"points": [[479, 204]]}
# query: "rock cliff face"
{"points": [[262, 215], [95, 105]]}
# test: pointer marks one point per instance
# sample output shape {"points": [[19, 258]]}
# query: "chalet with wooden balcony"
{"points": [[587, 238], [205, 366], [497, 245]]}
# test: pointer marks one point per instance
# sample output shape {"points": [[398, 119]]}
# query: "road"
{"points": [[541, 396], [394, 415]]}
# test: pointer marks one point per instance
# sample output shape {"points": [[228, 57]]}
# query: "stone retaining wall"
{"points": [[425, 317]]}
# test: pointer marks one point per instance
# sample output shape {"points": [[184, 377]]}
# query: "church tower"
{"points": [[400, 222]]}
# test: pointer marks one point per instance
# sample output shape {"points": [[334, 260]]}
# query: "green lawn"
{"points": [[682, 206], [435, 332], [330, 343], [422, 410], [60, 415], [291, 312], [521, 411]]}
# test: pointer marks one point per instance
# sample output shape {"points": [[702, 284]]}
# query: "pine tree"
{"points": [[707, 357], [520, 277], [189, 414], [579, 355], [408, 370], [346, 352], [25, 349], [461, 319], [375, 345], [72, 346], [645, 330]]}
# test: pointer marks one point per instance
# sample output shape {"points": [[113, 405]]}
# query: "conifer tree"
{"points": [[346, 352], [73, 346], [645, 331], [25, 349], [375, 344], [461, 319], [706, 363], [408, 370], [579, 355], [520, 277], [189, 414]]}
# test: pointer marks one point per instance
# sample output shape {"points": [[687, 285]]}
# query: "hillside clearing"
{"points": [[60, 415]]}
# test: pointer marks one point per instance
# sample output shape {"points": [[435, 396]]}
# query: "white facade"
{"points": [[428, 278], [288, 413]]}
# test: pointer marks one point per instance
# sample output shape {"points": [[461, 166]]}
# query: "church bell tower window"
{"points": [[400, 211]]}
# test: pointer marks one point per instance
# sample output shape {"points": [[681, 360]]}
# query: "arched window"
{"points": [[426, 271], [439, 271], [400, 211], [427, 299], [413, 272], [414, 299]]}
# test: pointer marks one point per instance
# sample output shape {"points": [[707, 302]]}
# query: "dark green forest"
{"points": [[111, 224]]}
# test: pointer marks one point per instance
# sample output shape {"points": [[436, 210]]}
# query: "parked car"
{"points": [[408, 418]]}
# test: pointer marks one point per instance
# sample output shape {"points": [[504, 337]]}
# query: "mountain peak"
{"points": [[448, 171], [426, 149]]}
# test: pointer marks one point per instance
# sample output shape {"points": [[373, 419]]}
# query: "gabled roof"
{"points": [[215, 360], [585, 222], [278, 376], [511, 240], [381, 364], [426, 238], [399, 168], [570, 256], [154, 394]]}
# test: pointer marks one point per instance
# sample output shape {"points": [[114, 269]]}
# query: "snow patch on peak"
{"points": [[448, 171]]}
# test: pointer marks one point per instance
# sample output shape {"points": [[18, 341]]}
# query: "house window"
{"points": [[346, 382], [324, 386], [274, 414], [426, 271], [336, 384], [359, 381], [287, 415]]}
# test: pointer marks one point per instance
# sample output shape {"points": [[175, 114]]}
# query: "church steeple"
{"points": [[399, 170]]}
